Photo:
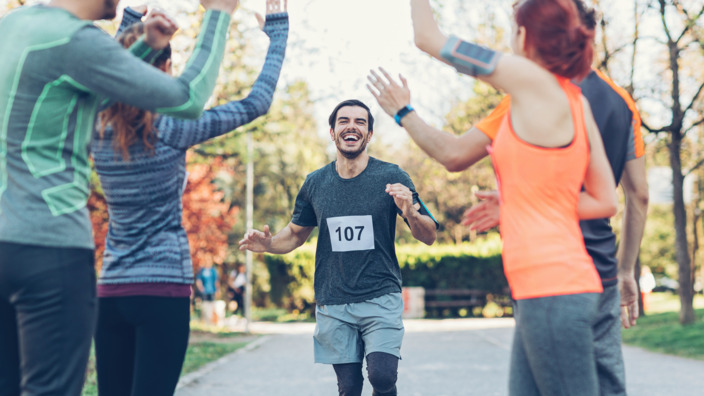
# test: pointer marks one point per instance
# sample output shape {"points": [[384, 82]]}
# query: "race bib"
{"points": [[350, 233]]}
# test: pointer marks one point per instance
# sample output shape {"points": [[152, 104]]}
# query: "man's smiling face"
{"points": [[351, 134]]}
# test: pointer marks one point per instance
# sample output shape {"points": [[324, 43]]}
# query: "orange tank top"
{"points": [[543, 248]]}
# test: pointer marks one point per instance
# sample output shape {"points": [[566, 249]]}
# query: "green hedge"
{"points": [[475, 265]]}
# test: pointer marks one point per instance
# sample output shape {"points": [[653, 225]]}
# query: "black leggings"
{"points": [[140, 344], [382, 370]]}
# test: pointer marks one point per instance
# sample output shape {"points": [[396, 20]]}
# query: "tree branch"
{"points": [[695, 167], [653, 130], [694, 98], [691, 21], [696, 124]]}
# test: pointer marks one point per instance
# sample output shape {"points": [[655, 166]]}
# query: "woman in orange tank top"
{"points": [[552, 171]]}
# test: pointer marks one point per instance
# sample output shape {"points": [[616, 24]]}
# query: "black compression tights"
{"points": [[382, 369]]}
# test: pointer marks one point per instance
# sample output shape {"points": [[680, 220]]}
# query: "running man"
{"points": [[354, 201], [57, 69], [619, 124]]}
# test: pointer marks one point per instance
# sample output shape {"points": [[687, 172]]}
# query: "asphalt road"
{"points": [[439, 357]]}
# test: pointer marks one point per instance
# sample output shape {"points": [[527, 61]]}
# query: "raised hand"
{"points": [[484, 215], [158, 29], [391, 96], [142, 9], [228, 6], [403, 198], [272, 7], [256, 241]]}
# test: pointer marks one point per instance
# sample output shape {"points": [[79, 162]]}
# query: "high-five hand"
{"points": [[272, 7], [485, 214], [228, 6], [158, 29], [391, 96]]}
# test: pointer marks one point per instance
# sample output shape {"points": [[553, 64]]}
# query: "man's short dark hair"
{"points": [[352, 103]]}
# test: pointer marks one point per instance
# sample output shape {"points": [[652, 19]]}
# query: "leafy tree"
{"points": [[207, 217], [661, 61]]}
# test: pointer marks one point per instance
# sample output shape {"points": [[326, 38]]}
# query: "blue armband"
{"points": [[469, 58], [402, 113]]}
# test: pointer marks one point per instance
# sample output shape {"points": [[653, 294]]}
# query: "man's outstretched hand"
{"points": [[256, 241]]}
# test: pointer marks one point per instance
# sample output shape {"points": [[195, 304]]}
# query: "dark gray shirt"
{"points": [[355, 258]]}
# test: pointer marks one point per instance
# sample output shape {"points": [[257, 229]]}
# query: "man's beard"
{"points": [[350, 154]]}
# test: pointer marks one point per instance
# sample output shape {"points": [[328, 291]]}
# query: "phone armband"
{"points": [[469, 58]]}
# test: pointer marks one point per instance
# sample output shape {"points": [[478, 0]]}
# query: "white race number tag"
{"points": [[350, 233]]}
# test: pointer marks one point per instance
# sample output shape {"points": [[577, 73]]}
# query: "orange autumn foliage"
{"points": [[207, 217]]}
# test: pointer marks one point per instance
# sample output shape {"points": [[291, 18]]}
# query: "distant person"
{"points": [[647, 284], [57, 69], [207, 284], [547, 147], [236, 283], [147, 274], [354, 202]]}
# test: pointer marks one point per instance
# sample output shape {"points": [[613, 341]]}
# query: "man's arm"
{"points": [[598, 200], [635, 188], [98, 64], [286, 240], [423, 227]]}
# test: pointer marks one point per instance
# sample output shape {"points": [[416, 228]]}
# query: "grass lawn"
{"points": [[205, 345], [660, 330]]}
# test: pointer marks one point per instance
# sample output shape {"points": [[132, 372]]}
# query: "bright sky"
{"points": [[334, 43]]}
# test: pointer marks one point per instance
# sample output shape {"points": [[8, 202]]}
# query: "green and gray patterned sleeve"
{"points": [[98, 64]]}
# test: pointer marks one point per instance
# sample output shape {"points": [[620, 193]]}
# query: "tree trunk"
{"points": [[686, 291]]}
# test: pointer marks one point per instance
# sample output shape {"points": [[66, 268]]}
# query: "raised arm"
{"points": [[96, 63], [286, 240], [130, 16], [513, 74], [456, 153], [219, 120]]}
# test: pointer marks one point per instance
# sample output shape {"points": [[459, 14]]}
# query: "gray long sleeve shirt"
{"points": [[55, 71]]}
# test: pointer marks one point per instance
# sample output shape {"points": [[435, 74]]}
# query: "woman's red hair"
{"points": [[129, 123], [556, 35]]}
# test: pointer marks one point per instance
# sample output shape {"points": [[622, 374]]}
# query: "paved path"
{"points": [[440, 357]]}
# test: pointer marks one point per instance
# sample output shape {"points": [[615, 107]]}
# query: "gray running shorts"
{"points": [[346, 333]]}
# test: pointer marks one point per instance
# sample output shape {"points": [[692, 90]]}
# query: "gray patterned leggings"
{"points": [[553, 347]]}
